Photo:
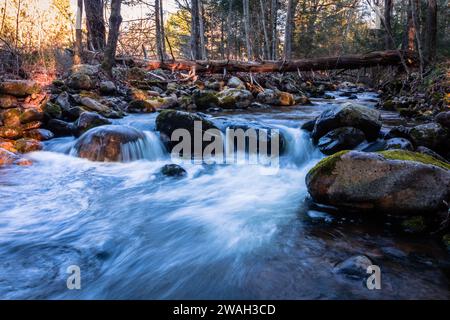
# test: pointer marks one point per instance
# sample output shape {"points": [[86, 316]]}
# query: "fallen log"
{"points": [[353, 61]]}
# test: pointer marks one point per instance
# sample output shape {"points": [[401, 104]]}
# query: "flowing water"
{"points": [[222, 232]]}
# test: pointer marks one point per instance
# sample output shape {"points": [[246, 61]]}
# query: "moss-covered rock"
{"points": [[52, 111], [26, 145], [235, 99], [11, 117], [19, 88], [394, 181], [414, 224], [140, 106], [205, 99], [30, 115], [8, 101], [446, 240], [80, 81], [11, 133], [431, 135]]}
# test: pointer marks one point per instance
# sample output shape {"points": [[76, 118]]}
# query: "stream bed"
{"points": [[222, 232]]}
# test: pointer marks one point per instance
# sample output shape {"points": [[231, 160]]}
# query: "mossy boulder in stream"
{"points": [[394, 181]]}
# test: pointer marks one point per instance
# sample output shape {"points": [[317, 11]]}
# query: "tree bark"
{"points": [[163, 33], [78, 33], [159, 38], [431, 31], [246, 10], [388, 41], [274, 16], [195, 30], [201, 30], [229, 27], [380, 58], [264, 26], [95, 24], [410, 32], [115, 20], [292, 4]]}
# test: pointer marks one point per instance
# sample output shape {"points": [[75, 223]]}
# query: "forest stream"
{"points": [[221, 232]]}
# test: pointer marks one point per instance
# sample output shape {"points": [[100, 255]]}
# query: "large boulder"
{"points": [[395, 181], [11, 117], [339, 139], [443, 119], [170, 120], [235, 98], [89, 120], [106, 143], [431, 135], [61, 128], [26, 145], [399, 143], [8, 158], [349, 115], [236, 83], [8, 101], [19, 88], [94, 105], [205, 99]]}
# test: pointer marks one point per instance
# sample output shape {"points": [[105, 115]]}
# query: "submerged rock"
{"points": [[395, 181], [173, 170], [349, 115], [339, 139], [106, 143], [354, 267]]}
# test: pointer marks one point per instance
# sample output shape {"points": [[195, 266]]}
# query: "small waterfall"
{"points": [[149, 148], [300, 149]]}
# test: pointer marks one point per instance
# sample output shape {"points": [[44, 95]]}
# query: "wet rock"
{"points": [[89, 120], [30, 115], [26, 145], [11, 133], [446, 241], [31, 125], [302, 100], [385, 182], [354, 267], [80, 81], [214, 85], [106, 143], [173, 170], [52, 111], [94, 105], [7, 145], [11, 117], [309, 125], [235, 99], [205, 99], [375, 146], [431, 135], [9, 158], [107, 88], [39, 134], [170, 120], [430, 153], [140, 106], [276, 98], [348, 115], [19, 88], [8, 101], [414, 224], [69, 111], [399, 132], [399, 143], [259, 106], [61, 128], [339, 139], [443, 119], [235, 83]]}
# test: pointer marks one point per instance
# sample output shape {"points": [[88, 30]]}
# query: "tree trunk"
{"points": [[292, 4], [159, 38], [115, 20], [410, 32], [264, 26], [388, 41], [380, 58], [431, 31], [274, 16], [246, 9], [195, 31], [201, 30], [95, 24], [229, 27], [163, 33], [78, 33]]}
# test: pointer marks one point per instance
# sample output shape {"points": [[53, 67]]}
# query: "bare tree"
{"points": [[115, 20], [95, 24], [195, 31], [246, 10], [264, 27], [292, 5], [159, 38], [388, 40], [274, 16]]}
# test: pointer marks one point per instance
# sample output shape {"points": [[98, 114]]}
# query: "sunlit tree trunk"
{"points": [[410, 31], [95, 24], [274, 16], [78, 33], [115, 20], [195, 31], [159, 39], [201, 30], [163, 33]]}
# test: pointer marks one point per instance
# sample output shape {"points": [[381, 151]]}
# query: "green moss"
{"points": [[414, 224], [446, 240], [414, 156], [52, 110], [205, 100], [327, 165]]}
